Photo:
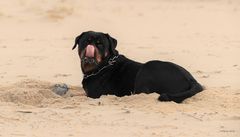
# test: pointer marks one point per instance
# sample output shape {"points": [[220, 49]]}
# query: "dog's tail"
{"points": [[179, 97]]}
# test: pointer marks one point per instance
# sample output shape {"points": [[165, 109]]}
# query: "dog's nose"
{"points": [[90, 50], [88, 60]]}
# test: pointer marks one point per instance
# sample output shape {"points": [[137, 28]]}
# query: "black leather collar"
{"points": [[110, 62]]}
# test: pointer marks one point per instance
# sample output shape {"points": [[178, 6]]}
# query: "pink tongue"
{"points": [[90, 51]]}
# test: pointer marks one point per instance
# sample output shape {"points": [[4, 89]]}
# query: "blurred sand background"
{"points": [[36, 37]]}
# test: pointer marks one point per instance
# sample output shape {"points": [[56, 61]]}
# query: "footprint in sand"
{"points": [[202, 74], [21, 76], [27, 39], [3, 47], [62, 75], [236, 66], [233, 118], [59, 12], [207, 74]]}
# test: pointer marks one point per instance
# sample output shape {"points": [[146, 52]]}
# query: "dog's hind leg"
{"points": [[179, 97]]}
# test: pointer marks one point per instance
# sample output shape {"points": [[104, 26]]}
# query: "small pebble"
{"points": [[60, 89]]}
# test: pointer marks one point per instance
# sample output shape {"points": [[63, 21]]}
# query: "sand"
{"points": [[36, 38]]}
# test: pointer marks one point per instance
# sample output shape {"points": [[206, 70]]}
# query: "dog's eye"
{"points": [[98, 41]]}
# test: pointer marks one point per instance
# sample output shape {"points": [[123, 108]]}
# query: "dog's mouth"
{"points": [[90, 51], [90, 58], [89, 55]]}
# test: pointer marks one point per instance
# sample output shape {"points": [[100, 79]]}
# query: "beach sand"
{"points": [[36, 37]]}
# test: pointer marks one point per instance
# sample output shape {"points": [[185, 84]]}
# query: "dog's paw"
{"points": [[164, 97]]}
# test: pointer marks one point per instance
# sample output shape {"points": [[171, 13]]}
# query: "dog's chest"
{"points": [[98, 85]]}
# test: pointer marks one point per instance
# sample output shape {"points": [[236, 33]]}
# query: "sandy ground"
{"points": [[36, 37]]}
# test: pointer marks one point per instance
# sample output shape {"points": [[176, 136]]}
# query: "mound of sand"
{"points": [[33, 92]]}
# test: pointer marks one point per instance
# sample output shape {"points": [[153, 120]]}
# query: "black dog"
{"points": [[107, 72]]}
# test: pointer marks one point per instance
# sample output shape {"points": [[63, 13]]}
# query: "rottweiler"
{"points": [[106, 72]]}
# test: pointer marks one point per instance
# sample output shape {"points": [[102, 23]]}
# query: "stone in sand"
{"points": [[60, 89]]}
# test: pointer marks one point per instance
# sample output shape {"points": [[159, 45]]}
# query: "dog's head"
{"points": [[94, 49]]}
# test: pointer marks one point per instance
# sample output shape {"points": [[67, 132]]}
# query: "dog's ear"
{"points": [[77, 39], [112, 43]]}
